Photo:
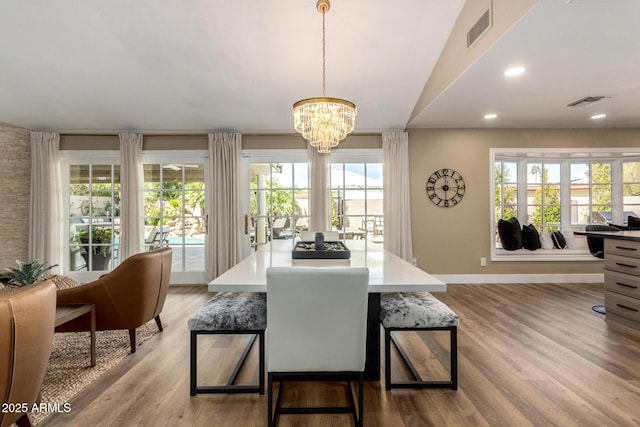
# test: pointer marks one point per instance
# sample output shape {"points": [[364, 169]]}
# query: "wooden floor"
{"points": [[529, 355]]}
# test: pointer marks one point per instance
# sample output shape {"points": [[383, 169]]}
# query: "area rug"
{"points": [[69, 369]]}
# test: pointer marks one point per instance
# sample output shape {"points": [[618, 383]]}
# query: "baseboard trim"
{"points": [[520, 278]]}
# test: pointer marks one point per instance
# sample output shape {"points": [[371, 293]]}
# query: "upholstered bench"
{"points": [[236, 314], [418, 311]]}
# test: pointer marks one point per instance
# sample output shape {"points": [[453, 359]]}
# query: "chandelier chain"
{"points": [[324, 65]]}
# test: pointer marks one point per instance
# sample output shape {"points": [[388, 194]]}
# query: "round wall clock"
{"points": [[445, 188]]}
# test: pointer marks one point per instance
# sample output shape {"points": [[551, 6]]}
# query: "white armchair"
{"points": [[316, 330]]}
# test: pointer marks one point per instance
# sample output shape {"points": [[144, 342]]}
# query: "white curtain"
{"points": [[45, 231], [131, 197], [319, 200], [224, 245], [397, 214]]}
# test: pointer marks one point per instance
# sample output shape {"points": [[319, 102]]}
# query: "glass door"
{"points": [[174, 209], [277, 206]]}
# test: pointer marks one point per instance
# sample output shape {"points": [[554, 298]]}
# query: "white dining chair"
{"points": [[316, 331]]}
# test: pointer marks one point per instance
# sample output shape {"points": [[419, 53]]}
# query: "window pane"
{"points": [[579, 173], [510, 172], [79, 177], [601, 194], [172, 204], [194, 174], [172, 177], [374, 175], [580, 214], [101, 177], [301, 202], [301, 175], [601, 173], [510, 196], [337, 175], [552, 173], [79, 204], [259, 175], [534, 172], [194, 202], [281, 176], [151, 177], [259, 203]]}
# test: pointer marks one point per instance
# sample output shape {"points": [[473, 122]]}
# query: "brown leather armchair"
{"points": [[127, 297], [27, 317]]}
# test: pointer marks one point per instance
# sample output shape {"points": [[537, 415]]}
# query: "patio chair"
{"points": [[278, 227], [157, 238]]}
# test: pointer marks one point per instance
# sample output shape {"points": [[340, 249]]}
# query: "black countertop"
{"points": [[629, 235]]}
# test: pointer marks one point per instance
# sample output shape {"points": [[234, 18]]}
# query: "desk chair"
{"points": [[596, 247], [316, 331]]}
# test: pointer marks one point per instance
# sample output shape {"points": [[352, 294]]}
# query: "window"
{"points": [[558, 189], [93, 212], [174, 209], [356, 200]]}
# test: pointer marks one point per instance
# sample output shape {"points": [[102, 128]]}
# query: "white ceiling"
{"points": [[571, 49], [199, 65]]}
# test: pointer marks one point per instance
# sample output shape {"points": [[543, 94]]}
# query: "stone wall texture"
{"points": [[15, 188]]}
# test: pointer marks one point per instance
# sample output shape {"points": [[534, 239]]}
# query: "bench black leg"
{"points": [[418, 382], [229, 387]]}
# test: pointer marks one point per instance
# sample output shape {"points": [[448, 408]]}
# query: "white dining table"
{"points": [[387, 273]]}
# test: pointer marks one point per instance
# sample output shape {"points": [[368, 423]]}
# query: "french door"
{"points": [[175, 212], [277, 201]]}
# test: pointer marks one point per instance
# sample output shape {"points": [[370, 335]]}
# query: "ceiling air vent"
{"points": [[585, 101], [479, 28]]}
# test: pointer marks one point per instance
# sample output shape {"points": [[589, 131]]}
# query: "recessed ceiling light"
{"points": [[490, 116], [515, 71], [598, 116]]}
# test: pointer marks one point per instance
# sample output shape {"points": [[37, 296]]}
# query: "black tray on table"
{"points": [[332, 250]]}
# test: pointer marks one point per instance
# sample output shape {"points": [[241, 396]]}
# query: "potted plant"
{"points": [[27, 273], [99, 246]]}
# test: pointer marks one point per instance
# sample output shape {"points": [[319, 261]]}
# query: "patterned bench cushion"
{"points": [[415, 310], [231, 311]]}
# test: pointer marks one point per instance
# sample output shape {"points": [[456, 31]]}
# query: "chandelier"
{"points": [[324, 121]]}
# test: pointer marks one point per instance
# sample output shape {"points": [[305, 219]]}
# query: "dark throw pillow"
{"points": [[559, 242], [633, 223], [530, 237], [510, 234]]}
